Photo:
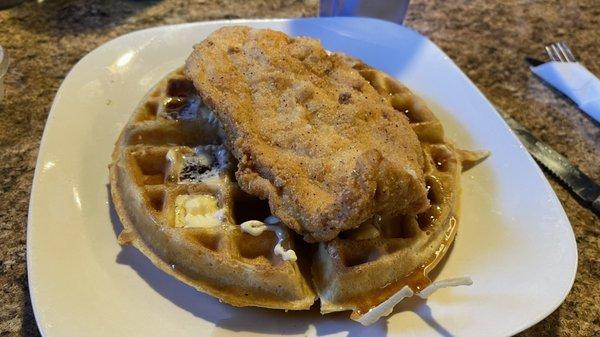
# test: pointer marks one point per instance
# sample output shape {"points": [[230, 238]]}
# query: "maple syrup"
{"points": [[417, 280]]}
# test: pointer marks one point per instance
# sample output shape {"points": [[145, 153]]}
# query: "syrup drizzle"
{"points": [[417, 280]]}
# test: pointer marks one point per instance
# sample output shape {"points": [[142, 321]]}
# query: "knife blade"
{"points": [[579, 183]]}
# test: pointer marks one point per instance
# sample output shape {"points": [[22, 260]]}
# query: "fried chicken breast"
{"points": [[310, 134]]}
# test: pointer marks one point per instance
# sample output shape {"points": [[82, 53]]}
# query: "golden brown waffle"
{"points": [[365, 266], [358, 270], [172, 146]]}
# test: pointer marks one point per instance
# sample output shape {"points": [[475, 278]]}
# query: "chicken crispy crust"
{"points": [[311, 135]]}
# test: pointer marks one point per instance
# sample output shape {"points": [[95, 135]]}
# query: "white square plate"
{"points": [[514, 238]]}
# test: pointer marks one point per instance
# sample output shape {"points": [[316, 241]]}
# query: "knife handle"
{"points": [[596, 204]]}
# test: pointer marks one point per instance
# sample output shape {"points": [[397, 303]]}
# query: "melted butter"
{"points": [[256, 228], [175, 159], [197, 211], [385, 308], [416, 280], [453, 282], [253, 227], [198, 165], [285, 254]]}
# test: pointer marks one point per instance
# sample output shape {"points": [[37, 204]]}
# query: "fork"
{"points": [[560, 52]]}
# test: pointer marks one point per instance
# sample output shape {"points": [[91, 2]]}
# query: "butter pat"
{"points": [[197, 211]]}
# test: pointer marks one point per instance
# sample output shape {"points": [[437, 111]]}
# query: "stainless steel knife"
{"points": [[582, 185]]}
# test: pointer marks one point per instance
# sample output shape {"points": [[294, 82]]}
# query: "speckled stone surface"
{"points": [[488, 40]]}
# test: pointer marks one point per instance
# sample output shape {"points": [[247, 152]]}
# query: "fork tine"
{"points": [[562, 56], [558, 52], [550, 53], [553, 54], [562, 52], [567, 51]]}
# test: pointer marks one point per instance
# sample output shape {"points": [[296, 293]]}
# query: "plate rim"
{"points": [[42, 149]]}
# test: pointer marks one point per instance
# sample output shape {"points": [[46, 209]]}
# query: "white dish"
{"points": [[514, 238]]}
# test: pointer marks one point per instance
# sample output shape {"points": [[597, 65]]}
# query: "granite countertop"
{"points": [[487, 40]]}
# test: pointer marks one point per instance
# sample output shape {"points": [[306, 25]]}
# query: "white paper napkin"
{"points": [[575, 81]]}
